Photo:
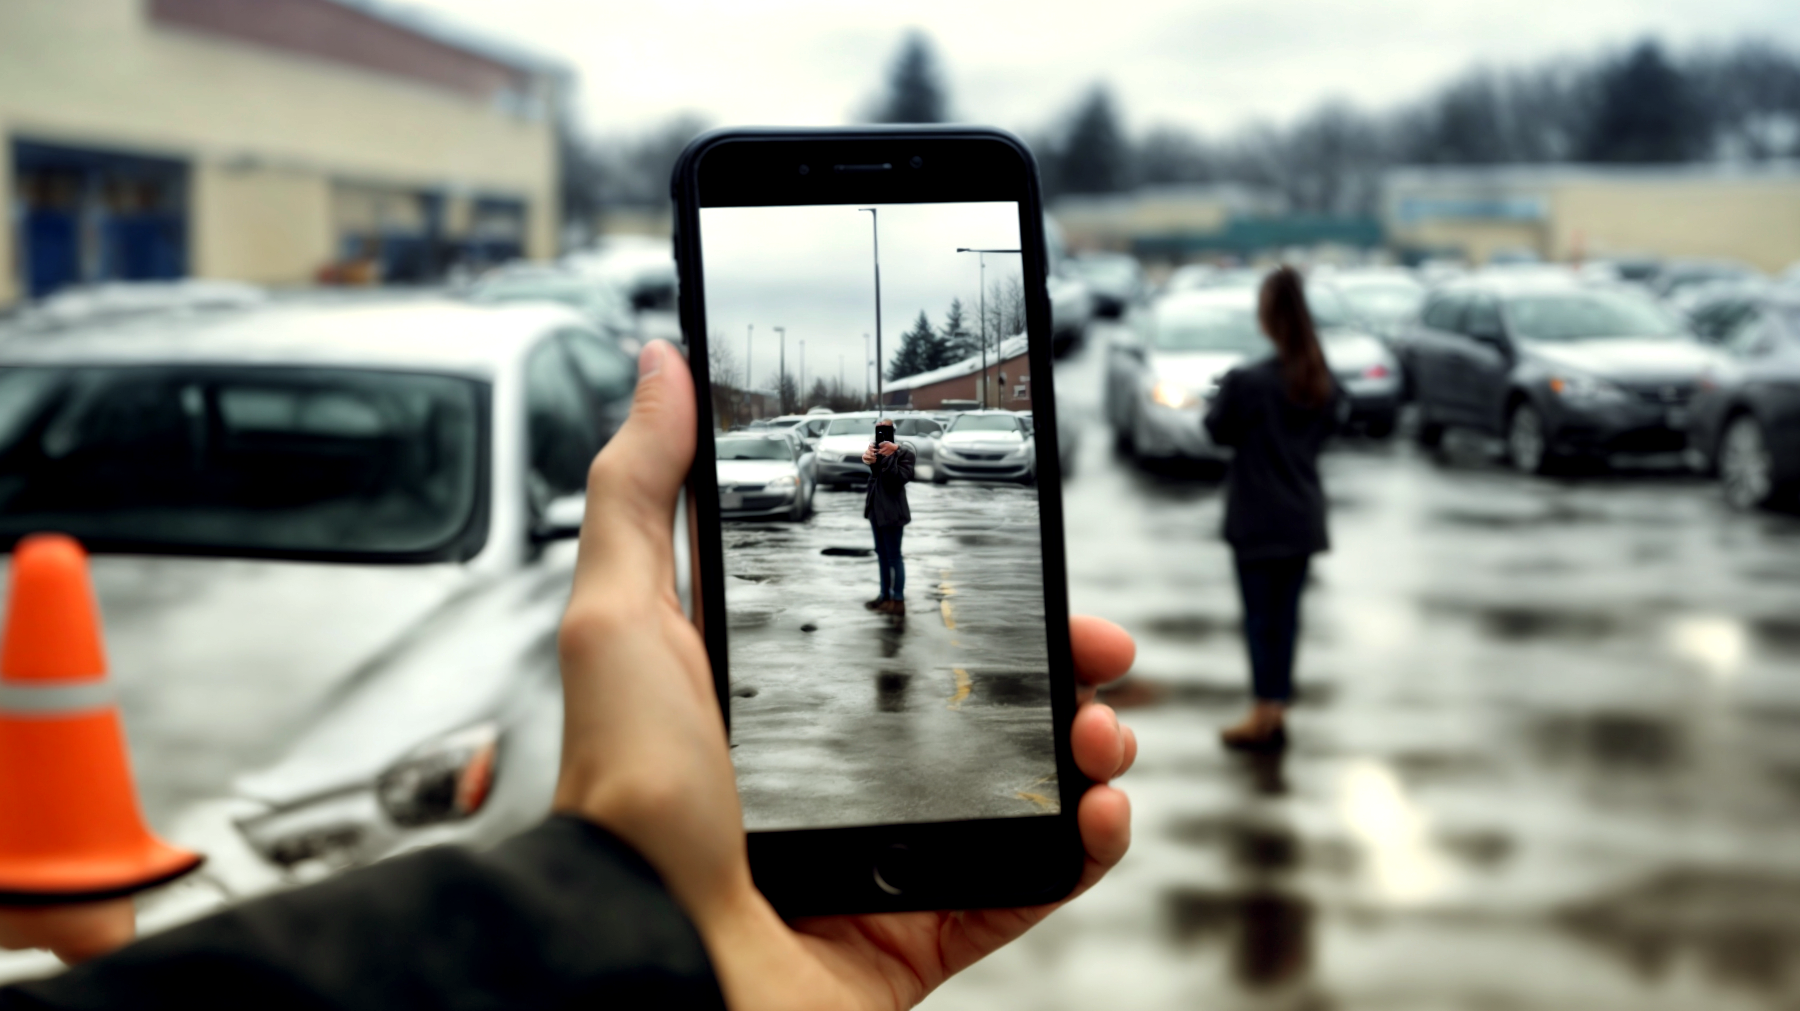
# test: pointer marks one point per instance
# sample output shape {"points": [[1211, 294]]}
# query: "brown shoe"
{"points": [[876, 604], [894, 607], [1263, 730]]}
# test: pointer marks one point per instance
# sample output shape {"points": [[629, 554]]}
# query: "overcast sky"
{"points": [[811, 270], [1211, 64]]}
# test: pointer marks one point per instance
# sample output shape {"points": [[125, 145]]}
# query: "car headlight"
{"points": [[787, 483], [1174, 395], [446, 779], [1576, 386]]}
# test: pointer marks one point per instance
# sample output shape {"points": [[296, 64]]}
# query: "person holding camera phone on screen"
{"points": [[890, 469]]}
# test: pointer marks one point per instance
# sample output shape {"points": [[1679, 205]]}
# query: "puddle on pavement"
{"points": [[890, 691], [740, 617], [1253, 847], [1523, 623], [1270, 932], [1742, 928], [892, 637], [750, 578], [1013, 688], [1138, 692], [1614, 741], [1428, 766], [1191, 626], [1778, 635], [1486, 849], [838, 552]]}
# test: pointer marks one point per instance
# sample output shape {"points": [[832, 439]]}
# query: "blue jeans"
{"points": [[887, 555], [1270, 588]]}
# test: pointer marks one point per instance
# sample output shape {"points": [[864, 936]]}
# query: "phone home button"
{"points": [[894, 870]]}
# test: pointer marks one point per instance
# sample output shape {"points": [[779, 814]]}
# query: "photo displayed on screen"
{"points": [[883, 558]]}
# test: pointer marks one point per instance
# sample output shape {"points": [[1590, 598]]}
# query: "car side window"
{"points": [[610, 374], [1754, 335], [1482, 320], [1444, 313], [559, 431]]}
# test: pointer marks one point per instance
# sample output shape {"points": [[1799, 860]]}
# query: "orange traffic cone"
{"points": [[70, 828]]}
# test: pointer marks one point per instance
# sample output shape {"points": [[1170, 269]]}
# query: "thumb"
{"points": [[635, 481]]}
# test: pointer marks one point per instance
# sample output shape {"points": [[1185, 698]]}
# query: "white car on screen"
{"points": [[986, 446], [763, 477]]}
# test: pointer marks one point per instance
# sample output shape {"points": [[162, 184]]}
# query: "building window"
{"points": [[1020, 393]]}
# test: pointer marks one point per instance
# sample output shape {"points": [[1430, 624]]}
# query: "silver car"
{"points": [[1164, 368], [332, 546], [764, 476]]}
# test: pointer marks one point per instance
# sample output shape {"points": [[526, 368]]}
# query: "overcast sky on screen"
{"points": [[1211, 64], [811, 270]]}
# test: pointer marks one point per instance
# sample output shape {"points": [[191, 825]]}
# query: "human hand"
{"points": [[869, 455], [73, 933], [645, 751], [887, 449]]}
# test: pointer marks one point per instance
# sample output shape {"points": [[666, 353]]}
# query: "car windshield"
{"points": [[1384, 301], [573, 291], [984, 423], [754, 449], [852, 426], [1208, 328], [239, 460], [1587, 315], [785, 422], [1114, 271]]}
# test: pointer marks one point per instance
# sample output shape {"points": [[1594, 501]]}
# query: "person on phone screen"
{"points": [[1275, 413], [890, 468]]}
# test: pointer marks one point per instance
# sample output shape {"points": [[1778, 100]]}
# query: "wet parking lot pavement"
{"points": [[1546, 755], [841, 716]]}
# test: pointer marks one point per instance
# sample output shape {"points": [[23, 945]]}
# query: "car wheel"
{"points": [[1746, 471], [1527, 441], [1430, 434], [1382, 425], [938, 476]]}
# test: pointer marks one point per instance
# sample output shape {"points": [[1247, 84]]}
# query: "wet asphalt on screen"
{"points": [[841, 716], [1546, 755]]}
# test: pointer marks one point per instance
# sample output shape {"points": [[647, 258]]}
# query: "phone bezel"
{"points": [[995, 862]]}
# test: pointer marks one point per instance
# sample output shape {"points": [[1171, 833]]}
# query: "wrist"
{"points": [[758, 961]]}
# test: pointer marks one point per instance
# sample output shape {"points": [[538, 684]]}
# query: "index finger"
{"points": [[1103, 650]]}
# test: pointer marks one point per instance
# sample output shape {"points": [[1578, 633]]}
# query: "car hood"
{"points": [[1193, 369], [846, 445], [219, 663], [964, 440], [1349, 352], [754, 471], [1628, 360]]}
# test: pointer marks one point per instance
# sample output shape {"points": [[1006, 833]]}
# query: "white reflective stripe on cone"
{"points": [[49, 698]]}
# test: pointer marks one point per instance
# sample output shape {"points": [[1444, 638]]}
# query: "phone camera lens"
{"points": [[918, 162], [804, 170]]}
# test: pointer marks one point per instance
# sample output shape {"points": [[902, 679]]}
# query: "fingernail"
{"points": [[650, 360]]}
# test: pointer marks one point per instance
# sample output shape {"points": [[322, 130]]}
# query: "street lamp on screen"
{"points": [[981, 257], [875, 234]]}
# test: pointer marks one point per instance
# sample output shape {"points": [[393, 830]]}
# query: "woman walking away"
{"points": [[1275, 413]]}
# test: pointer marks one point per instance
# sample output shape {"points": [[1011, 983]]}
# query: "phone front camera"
{"points": [[918, 162], [804, 170]]}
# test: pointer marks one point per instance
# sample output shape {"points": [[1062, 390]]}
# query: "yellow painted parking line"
{"points": [[1044, 803], [948, 612], [962, 689]]}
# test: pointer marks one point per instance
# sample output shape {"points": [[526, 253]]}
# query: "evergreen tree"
{"points": [[958, 340], [920, 350], [1645, 113], [1094, 155], [915, 87]]}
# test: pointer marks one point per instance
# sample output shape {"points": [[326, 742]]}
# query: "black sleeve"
{"points": [[562, 916], [903, 463], [1222, 422]]}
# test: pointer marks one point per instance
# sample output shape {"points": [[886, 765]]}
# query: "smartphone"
{"points": [[893, 661]]}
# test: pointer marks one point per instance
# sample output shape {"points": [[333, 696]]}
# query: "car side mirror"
{"points": [[561, 519]]}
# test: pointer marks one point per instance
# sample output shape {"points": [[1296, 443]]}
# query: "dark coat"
{"points": [[885, 504], [1274, 503], [562, 916]]}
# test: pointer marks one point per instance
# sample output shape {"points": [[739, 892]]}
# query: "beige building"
{"points": [[1123, 221], [1574, 212], [269, 141]]}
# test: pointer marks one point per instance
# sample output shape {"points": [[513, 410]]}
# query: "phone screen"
{"points": [[885, 621]]}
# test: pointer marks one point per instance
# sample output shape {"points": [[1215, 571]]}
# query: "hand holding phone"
{"points": [[646, 756]]}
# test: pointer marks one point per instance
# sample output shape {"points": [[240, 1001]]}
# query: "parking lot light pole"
{"points": [[866, 370], [749, 398], [981, 258], [875, 233], [781, 375]]}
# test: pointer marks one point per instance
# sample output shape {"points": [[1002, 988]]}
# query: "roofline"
{"points": [[446, 31], [1545, 173]]}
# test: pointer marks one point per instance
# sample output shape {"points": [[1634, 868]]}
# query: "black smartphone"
{"points": [[883, 433], [911, 750]]}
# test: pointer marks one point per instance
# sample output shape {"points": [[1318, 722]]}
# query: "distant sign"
{"points": [[1416, 209]]}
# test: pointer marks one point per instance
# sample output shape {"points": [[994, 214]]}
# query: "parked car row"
{"points": [[1559, 365]]}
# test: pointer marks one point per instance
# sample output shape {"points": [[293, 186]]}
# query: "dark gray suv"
{"points": [[1557, 369]]}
